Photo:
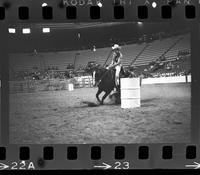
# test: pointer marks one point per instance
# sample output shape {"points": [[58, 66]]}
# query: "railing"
{"points": [[139, 54], [30, 86], [174, 44]]}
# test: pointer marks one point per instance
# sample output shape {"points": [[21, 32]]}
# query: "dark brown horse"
{"points": [[105, 81]]}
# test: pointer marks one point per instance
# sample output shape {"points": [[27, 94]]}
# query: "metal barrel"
{"points": [[130, 92]]}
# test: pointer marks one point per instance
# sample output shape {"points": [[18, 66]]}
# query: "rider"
{"points": [[116, 62]]}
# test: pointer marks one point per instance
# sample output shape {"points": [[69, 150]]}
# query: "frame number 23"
{"points": [[121, 165]]}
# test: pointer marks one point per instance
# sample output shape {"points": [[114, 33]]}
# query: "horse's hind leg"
{"points": [[97, 95], [105, 95]]}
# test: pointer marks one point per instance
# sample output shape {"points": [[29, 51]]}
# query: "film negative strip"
{"points": [[99, 84]]}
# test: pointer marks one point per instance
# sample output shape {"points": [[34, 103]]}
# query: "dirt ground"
{"points": [[61, 117]]}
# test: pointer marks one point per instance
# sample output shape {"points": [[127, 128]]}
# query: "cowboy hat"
{"points": [[116, 46]]}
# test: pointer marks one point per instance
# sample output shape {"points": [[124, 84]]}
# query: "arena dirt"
{"points": [[60, 117]]}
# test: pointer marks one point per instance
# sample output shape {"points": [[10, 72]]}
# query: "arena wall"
{"points": [[79, 82], [161, 80]]}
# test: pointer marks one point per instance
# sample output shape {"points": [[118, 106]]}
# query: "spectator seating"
{"points": [[154, 50], [180, 66], [157, 48]]}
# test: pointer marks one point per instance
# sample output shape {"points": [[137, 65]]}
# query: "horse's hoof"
{"points": [[101, 103]]}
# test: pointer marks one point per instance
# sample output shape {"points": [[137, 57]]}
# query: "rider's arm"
{"points": [[111, 64]]}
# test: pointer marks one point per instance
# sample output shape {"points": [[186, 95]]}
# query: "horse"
{"points": [[105, 81]]}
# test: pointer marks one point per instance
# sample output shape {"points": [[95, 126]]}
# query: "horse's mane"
{"points": [[100, 68]]}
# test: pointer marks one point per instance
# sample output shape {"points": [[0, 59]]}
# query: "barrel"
{"points": [[130, 92], [70, 87]]}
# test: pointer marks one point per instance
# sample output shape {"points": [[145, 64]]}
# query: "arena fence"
{"points": [[162, 80], [49, 85]]}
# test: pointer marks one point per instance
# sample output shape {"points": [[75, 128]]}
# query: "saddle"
{"points": [[121, 74]]}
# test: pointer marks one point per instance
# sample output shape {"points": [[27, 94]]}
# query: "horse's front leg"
{"points": [[105, 95], [97, 95]]}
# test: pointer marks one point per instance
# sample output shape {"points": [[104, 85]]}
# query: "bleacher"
{"points": [[41, 60], [179, 67], [157, 48], [183, 45], [153, 51]]}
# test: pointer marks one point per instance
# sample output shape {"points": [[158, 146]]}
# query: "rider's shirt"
{"points": [[116, 56]]}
